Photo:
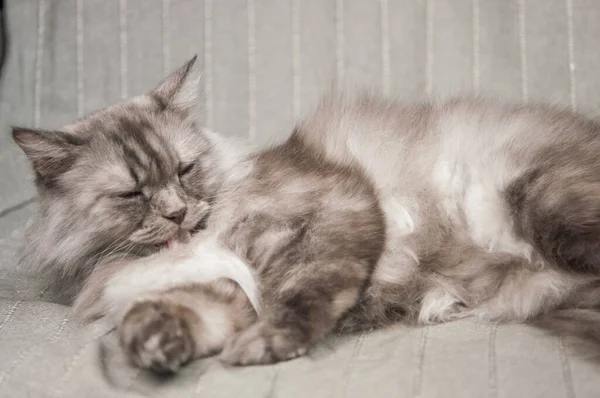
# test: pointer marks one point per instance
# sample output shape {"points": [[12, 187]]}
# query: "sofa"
{"points": [[266, 63]]}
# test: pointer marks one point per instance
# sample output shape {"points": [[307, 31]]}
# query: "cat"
{"points": [[372, 212]]}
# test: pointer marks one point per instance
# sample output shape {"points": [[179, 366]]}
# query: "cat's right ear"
{"points": [[180, 89], [51, 152]]}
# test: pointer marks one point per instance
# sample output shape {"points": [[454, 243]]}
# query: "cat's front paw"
{"points": [[156, 335], [263, 344]]}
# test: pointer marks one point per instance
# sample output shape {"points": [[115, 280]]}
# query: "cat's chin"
{"points": [[182, 236]]}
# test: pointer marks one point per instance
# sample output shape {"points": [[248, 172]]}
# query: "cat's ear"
{"points": [[51, 152], [181, 88]]}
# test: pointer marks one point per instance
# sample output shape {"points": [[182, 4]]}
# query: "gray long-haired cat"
{"points": [[372, 212]]}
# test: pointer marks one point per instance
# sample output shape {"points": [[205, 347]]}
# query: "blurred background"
{"points": [[266, 62]]}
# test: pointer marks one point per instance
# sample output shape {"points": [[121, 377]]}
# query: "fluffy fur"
{"points": [[372, 212]]}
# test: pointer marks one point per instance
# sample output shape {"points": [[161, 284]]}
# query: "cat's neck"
{"points": [[231, 153]]}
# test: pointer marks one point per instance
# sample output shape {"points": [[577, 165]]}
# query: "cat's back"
{"points": [[369, 131], [448, 163], [420, 142], [289, 194]]}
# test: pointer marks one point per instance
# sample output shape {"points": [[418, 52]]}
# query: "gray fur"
{"points": [[372, 212]]}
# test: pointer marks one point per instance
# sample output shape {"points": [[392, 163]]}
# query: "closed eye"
{"points": [[130, 195], [184, 169]]}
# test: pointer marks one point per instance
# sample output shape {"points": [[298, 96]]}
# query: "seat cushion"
{"points": [[266, 63]]}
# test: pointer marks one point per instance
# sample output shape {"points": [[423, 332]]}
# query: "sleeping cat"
{"points": [[372, 212]]}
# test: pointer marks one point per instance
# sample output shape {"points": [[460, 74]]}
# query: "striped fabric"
{"points": [[266, 62]]}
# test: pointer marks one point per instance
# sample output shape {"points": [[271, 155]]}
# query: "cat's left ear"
{"points": [[181, 88]]}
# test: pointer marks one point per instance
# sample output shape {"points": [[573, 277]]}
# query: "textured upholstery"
{"points": [[267, 62]]}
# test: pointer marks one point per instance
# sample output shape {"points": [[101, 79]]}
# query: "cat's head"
{"points": [[126, 179]]}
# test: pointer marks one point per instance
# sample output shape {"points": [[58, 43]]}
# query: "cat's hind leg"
{"points": [[299, 308]]}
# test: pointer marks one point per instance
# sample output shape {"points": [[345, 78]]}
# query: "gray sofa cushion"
{"points": [[266, 63]]}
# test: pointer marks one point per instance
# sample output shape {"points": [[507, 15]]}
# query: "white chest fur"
{"points": [[399, 259], [203, 260]]}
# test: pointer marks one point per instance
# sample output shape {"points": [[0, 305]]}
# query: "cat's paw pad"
{"points": [[263, 344], [156, 335]]}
